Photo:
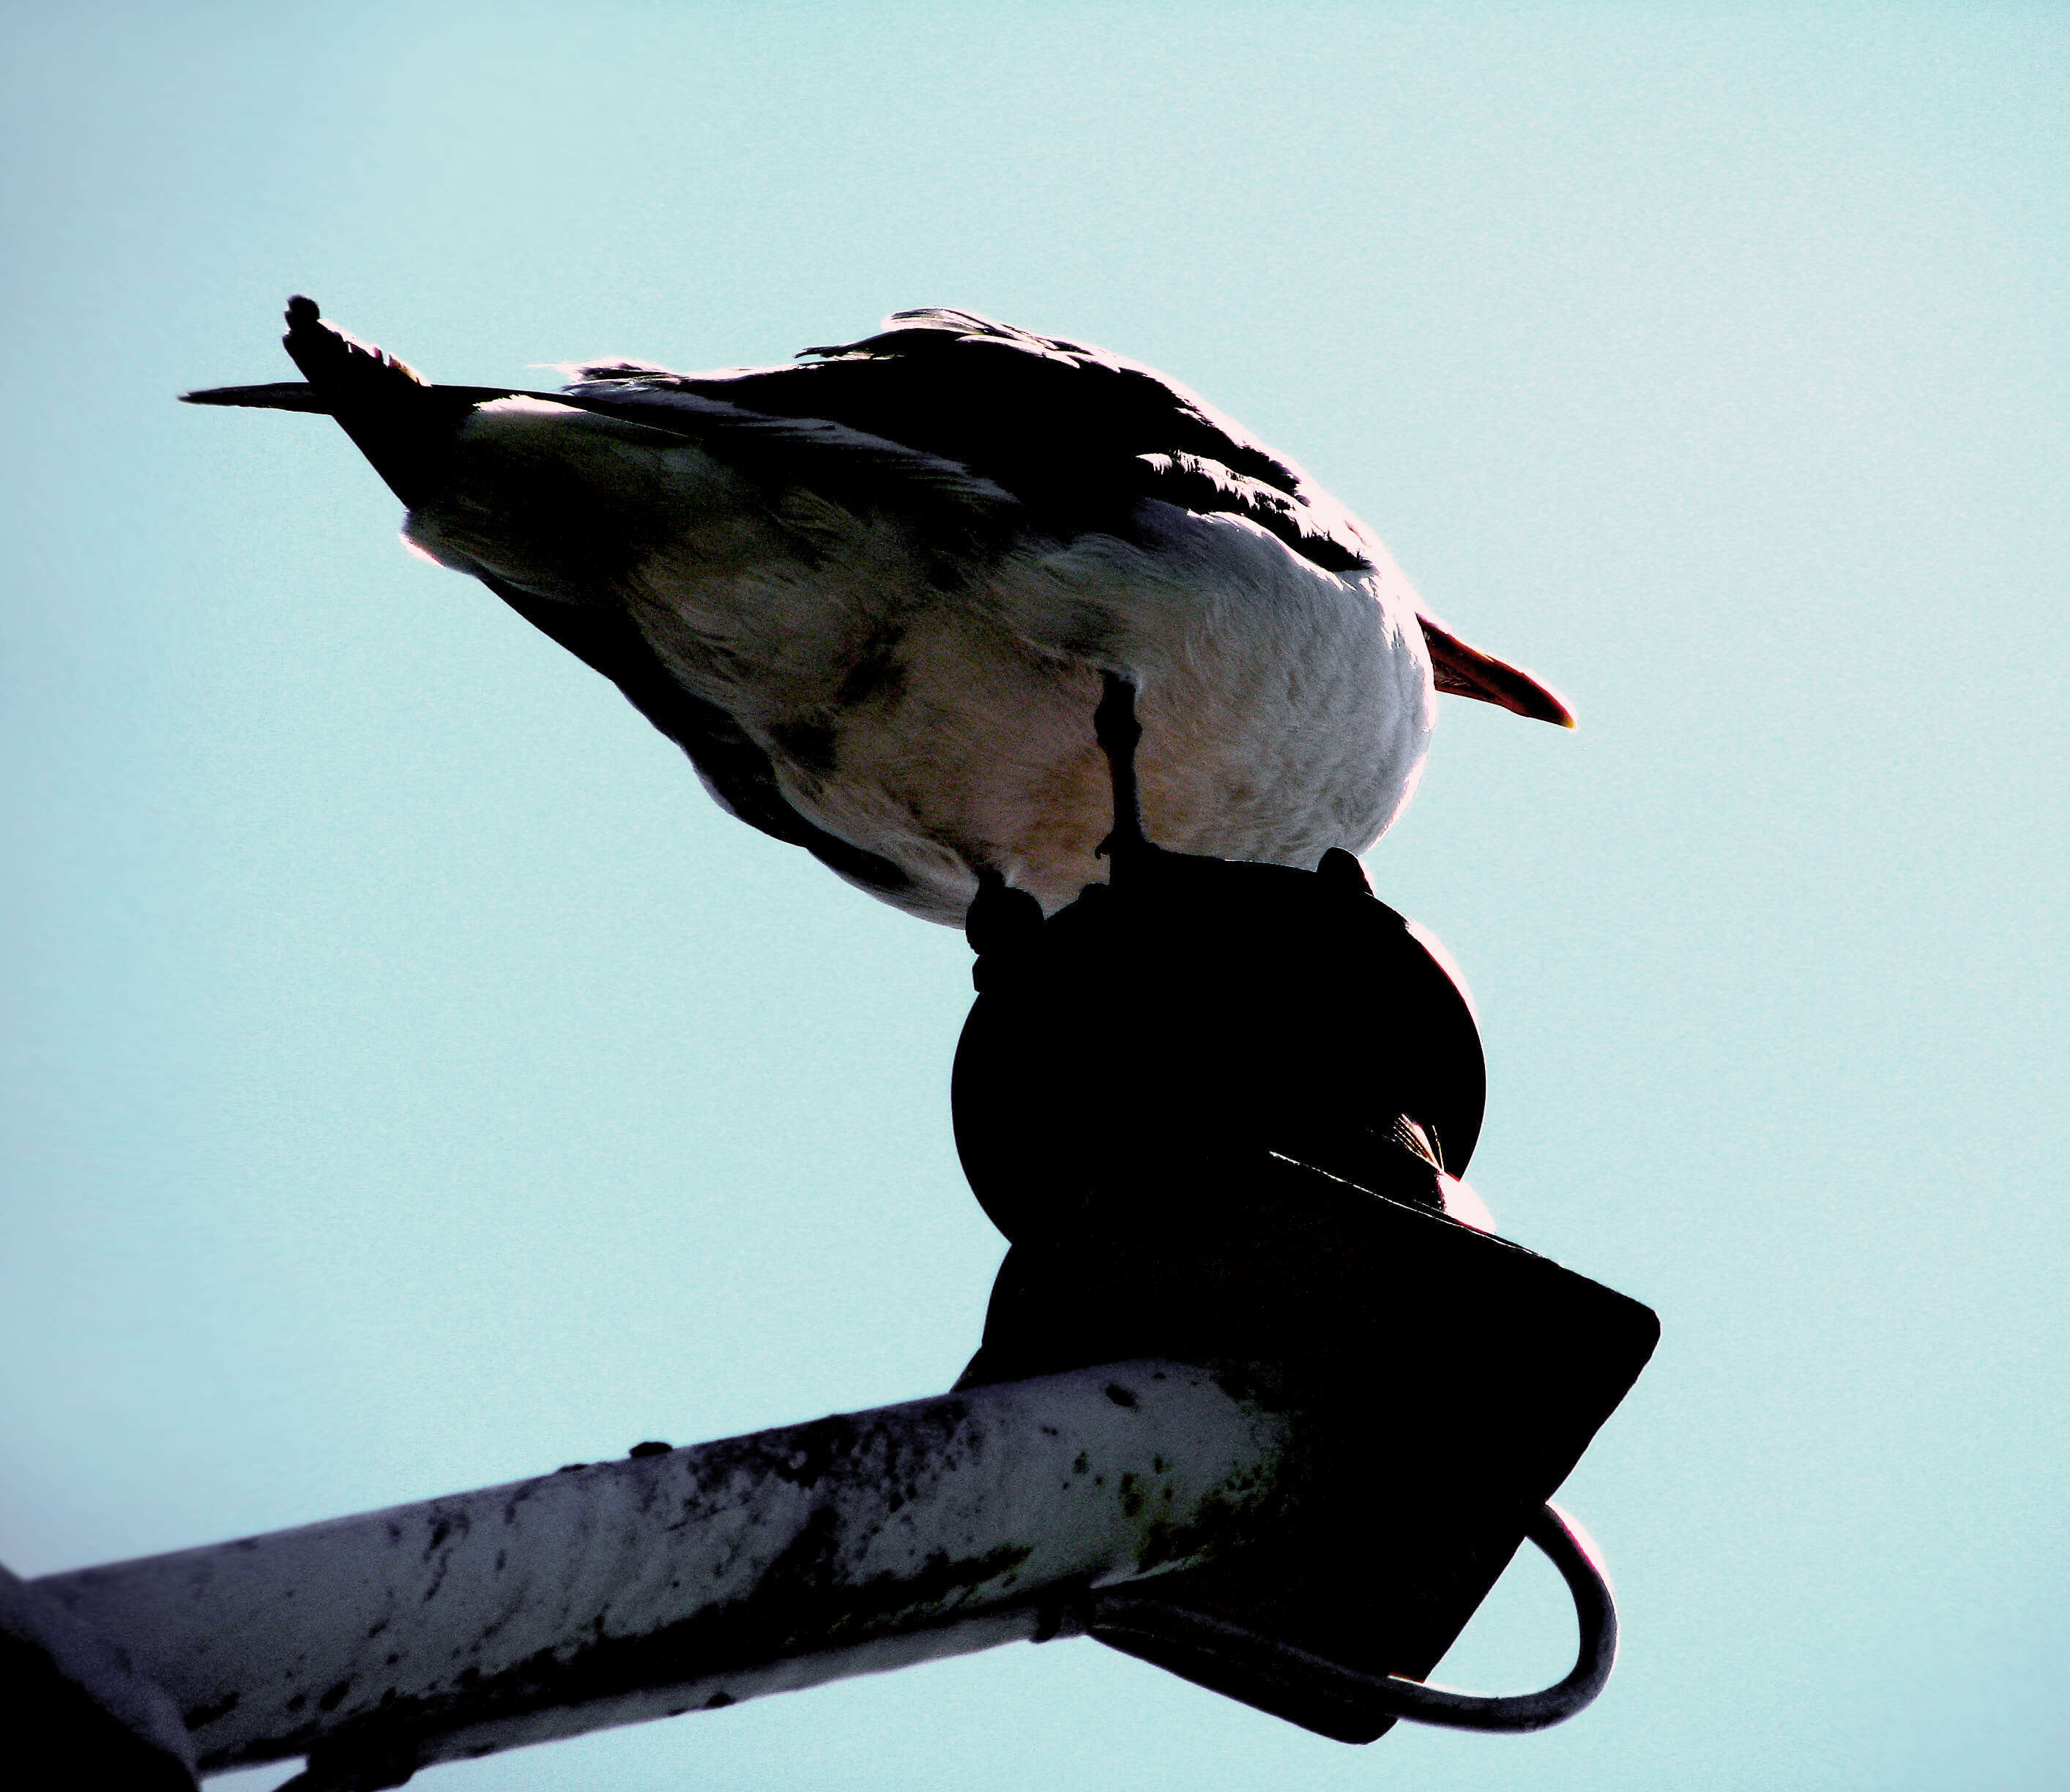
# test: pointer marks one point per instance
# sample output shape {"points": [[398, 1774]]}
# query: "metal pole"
{"points": [[690, 1580]]}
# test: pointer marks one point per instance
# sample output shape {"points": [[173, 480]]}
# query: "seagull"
{"points": [[876, 594]]}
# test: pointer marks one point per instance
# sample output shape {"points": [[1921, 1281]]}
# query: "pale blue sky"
{"points": [[415, 1083]]}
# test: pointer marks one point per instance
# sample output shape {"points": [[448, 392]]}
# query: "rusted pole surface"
{"points": [[692, 1579]]}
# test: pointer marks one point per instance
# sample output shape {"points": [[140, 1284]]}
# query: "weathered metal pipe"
{"points": [[691, 1579], [69, 1687]]}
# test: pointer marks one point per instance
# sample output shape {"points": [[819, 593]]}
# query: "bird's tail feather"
{"points": [[403, 424], [342, 364], [386, 407]]}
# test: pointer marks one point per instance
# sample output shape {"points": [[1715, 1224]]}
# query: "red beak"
{"points": [[1466, 671]]}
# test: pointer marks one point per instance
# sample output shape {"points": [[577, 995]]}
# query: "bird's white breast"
{"points": [[942, 717]]}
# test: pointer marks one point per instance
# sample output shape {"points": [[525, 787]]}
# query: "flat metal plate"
{"points": [[1448, 1382]]}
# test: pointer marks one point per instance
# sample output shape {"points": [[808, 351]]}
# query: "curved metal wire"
{"points": [[1564, 1541]]}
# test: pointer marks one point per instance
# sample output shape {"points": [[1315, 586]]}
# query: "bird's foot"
{"points": [[1000, 917], [1344, 870], [1001, 923]]}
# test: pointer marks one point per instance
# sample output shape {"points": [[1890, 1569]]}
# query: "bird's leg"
{"points": [[1118, 731]]}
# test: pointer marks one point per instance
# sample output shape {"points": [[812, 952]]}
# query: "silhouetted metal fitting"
{"points": [[1195, 1013]]}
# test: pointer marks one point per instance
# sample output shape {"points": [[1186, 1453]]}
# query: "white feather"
{"points": [[945, 722]]}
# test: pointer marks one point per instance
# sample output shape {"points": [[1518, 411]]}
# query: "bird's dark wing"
{"points": [[1078, 436], [405, 425]]}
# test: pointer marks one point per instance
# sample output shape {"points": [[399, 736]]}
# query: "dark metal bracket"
{"points": [[1267, 1661]]}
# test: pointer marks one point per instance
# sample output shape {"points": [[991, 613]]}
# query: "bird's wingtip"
{"points": [[282, 395]]}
